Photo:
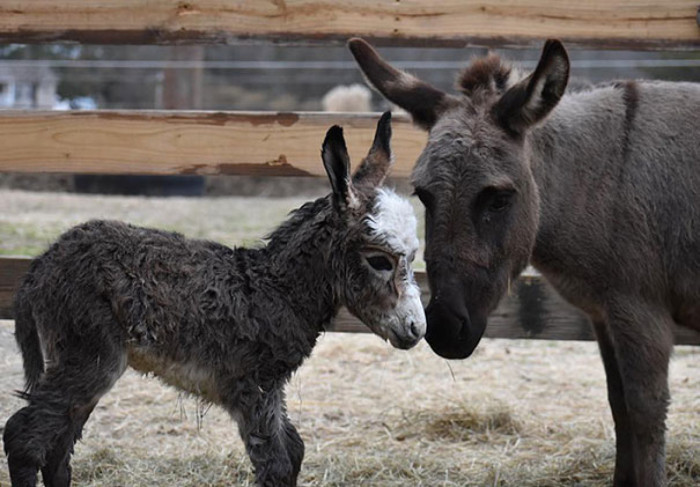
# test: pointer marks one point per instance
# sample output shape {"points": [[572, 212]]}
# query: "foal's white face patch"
{"points": [[394, 221], [393, 227]]}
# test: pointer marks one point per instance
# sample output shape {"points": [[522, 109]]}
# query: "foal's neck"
{"points": [[298, 256]]}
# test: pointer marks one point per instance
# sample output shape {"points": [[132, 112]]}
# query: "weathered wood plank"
{"points": [[532, 310], [600, 23], [11, 271], [171, 142]]}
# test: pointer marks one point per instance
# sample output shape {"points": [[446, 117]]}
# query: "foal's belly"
{"points": [[189, 376]]}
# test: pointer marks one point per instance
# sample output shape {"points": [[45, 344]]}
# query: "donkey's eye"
{"points": [[379, 262], [500, 201], [494, 200]]}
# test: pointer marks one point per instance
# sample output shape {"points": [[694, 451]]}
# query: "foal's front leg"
{"points": [[274, 447]]}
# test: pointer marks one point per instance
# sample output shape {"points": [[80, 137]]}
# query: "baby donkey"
{"points": [[229, 325]]}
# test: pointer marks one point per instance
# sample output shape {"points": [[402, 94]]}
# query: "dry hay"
{"points": [[522, 413]]}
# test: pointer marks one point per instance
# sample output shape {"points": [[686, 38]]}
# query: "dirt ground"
{"points": [[517, 413]]}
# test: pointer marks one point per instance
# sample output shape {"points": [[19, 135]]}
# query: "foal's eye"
{"points": [[379, 262]]}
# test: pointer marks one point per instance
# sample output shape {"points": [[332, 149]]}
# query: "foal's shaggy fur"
{"points": [[229, 325]]}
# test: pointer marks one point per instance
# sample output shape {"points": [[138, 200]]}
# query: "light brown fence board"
{"points": [[532, 310], [171, 142], [603, 23]]}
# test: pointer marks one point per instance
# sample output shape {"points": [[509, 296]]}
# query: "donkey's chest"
{"points": [[575, 289]]}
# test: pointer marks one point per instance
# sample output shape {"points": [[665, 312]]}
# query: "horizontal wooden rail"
{"points": [[532, 310], [170, 142], [603, 23]]}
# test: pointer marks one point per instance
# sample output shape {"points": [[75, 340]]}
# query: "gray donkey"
{"points": [[229, 325], [602, 195]]}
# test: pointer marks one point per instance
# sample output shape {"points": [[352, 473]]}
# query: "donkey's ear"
{"points": [[337, 163], [376, 165], [530, 100], [424, 102]]}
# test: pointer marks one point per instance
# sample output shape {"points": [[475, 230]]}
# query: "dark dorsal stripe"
{"points": [[630, 95]]}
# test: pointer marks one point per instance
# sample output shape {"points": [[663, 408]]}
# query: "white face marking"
{"points": [[394, 221], [394, 224]]}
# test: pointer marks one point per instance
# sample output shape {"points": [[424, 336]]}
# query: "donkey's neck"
{"points": [[577, 156], [298, 262]]}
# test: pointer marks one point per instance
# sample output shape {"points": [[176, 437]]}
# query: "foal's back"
{"points": [[111, 281]]}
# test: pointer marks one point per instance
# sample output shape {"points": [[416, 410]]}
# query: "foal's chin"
{"points": [[401, 337], [402, 343]]}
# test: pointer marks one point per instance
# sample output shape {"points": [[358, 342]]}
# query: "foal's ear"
{"points": [[533, 98], [424, 102], [376, 165], [337, 163]]}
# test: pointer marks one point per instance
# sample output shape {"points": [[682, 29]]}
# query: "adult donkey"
{"points": [[602, 195]]}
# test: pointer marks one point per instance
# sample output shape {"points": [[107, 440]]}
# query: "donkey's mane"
{"points": [[315, 213], [489, 74]]}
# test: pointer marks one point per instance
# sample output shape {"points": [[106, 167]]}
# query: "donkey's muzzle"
{"points": [[452, 332]]}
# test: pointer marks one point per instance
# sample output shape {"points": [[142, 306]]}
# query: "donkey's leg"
{"points": [[624, 464], [295, 445], [260, 416], [643, 340], [45, 431], [23, 464], [57, 470]]}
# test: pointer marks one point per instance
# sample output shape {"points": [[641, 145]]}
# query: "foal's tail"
{"points": [[27, 338]]}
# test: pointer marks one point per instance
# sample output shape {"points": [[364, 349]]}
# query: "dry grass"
{"points": [[518, 413]]}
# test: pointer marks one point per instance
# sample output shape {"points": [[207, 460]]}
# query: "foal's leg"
{"points": [[642, 337], [42, 434], [263, 426], [624, 464], [294, 444], [57, 470]]}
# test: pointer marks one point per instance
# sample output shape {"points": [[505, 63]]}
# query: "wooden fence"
{"points": [[648, 24], [287, 144]]}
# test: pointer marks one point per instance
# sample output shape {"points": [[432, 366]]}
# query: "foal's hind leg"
{"points": [[41, 435], [57, 470], [642, 338], [294, 445]]}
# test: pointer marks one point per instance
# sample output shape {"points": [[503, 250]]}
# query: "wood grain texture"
{"points": [[532, 310], [602, 23], [170, 142]]}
